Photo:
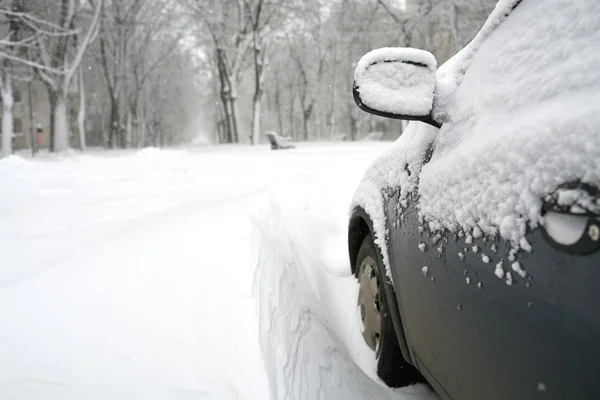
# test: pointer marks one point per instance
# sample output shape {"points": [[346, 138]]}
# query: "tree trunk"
{"points": [[61, 122], [128, 131], [7, 114], [259, 58], [142, 127], [353, 126], [226, 122], [135, 127], [306, 113], [278, 106], [113, 130], [235, 134], [305, 126], [81, 112], [52, 95], [256, 106], [332, 99], [227, 102], [291, 116], [32, 123]]}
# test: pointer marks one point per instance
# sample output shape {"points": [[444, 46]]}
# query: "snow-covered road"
{"points": [[216, 273]]}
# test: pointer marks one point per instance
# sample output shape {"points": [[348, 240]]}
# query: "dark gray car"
{"points": [[475, 238]]}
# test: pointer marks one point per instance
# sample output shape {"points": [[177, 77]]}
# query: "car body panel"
{"points": [[485, 336]]}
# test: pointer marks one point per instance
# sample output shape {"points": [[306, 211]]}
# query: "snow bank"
{"points": [[309, 323], [12, 161], [389, 81]]}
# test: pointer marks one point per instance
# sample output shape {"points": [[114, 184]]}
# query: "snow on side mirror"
{"points": [[396, 82]]}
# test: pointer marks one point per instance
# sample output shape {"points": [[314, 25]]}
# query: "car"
{"points": [[475, 237]]}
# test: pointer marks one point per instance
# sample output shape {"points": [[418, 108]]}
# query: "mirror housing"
{"points": [[396, 82]]}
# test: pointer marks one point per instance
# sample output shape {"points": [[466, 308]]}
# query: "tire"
{"points": [[393, 370]]}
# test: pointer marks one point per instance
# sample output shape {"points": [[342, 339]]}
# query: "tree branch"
{"points": [[31, 63]]}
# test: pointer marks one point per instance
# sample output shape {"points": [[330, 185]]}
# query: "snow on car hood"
{"points": [[523, 121]]}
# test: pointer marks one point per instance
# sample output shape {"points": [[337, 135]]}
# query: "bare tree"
{"points": [[6, 88], [117, 28], [263, 15], [155, 40], [59, 54], [254, 65], [81, 112], [21, 31], [230, 28]]}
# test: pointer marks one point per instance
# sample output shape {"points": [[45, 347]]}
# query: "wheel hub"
{"points": [[369, 303]]}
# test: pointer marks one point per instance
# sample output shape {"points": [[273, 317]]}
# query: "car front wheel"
{"points": [[376, 321]]}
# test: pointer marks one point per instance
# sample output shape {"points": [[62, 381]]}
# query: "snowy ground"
{"points": [[206, 273]]}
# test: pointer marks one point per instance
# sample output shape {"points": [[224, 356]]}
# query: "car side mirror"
{"points": [[396, 82]]}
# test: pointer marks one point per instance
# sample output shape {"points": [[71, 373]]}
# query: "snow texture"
{"points": [[523, 121], [499, 270], [509, 279], [121, 286], [520, 106], [516, 266], [579, 200], [388, 80], [397, 167]]}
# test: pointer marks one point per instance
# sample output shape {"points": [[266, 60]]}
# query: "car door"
{"points": [[482, 319]]}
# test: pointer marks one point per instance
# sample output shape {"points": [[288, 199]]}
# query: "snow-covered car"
{"points": [[475, 236]]}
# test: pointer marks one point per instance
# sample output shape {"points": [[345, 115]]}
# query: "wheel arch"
{"points": [[358, 229], [360, 225]]}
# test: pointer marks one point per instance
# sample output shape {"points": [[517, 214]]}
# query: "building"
{"points": [[35, 113], [23, 113]]}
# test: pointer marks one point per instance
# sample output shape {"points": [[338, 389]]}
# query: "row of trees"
{"points": [[121, 73], [287, 65], [46, 42], [165, 71]]}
